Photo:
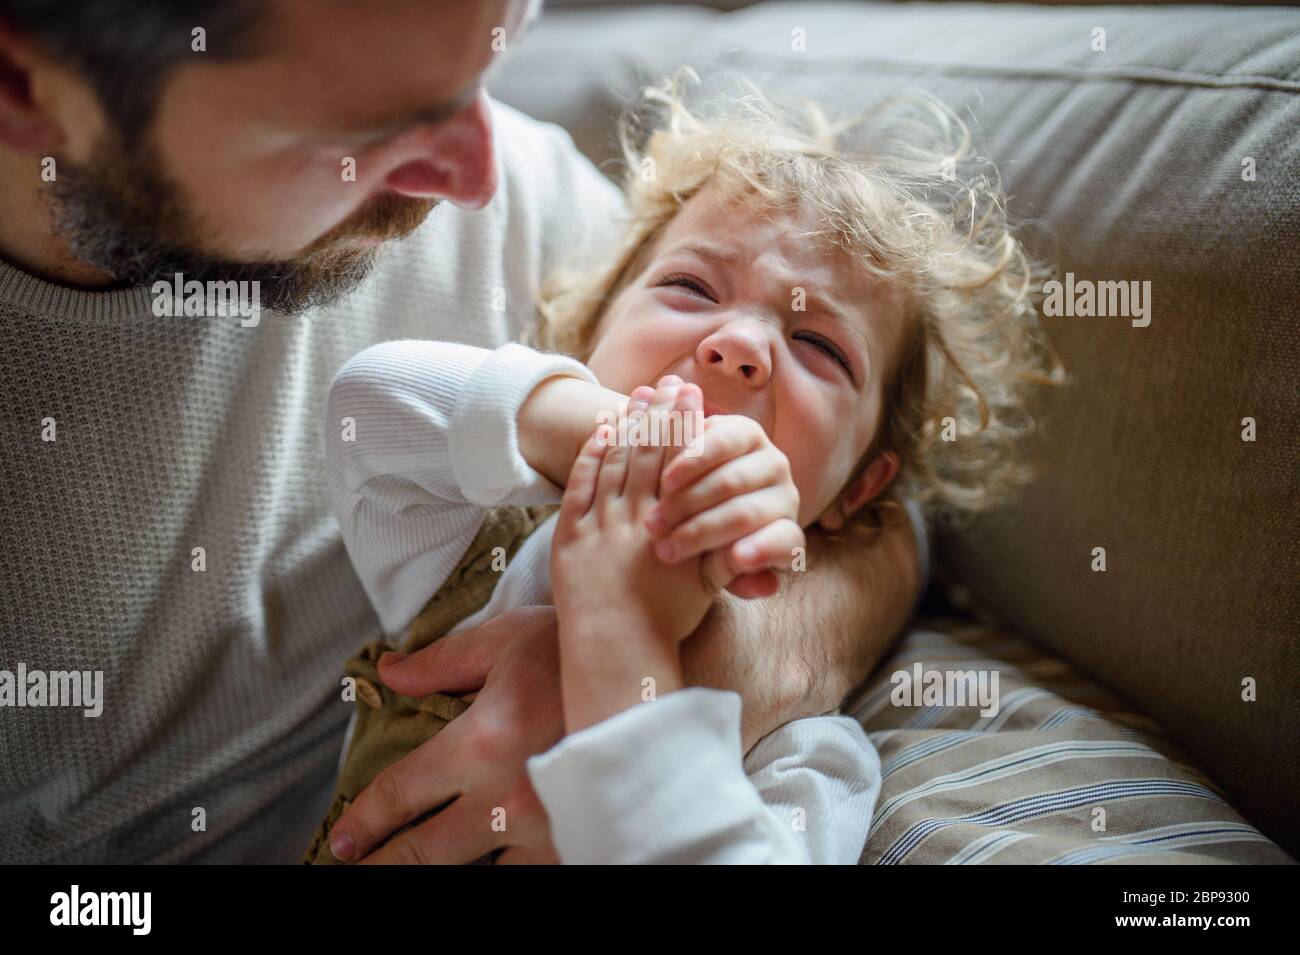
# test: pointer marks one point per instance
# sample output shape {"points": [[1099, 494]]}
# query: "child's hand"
{"points": [[732, 495], [605, 576]]}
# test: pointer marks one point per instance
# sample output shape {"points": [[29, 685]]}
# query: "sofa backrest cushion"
{"points": [[1170, 157]]}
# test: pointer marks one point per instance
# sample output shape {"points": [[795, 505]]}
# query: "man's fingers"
{"points": [[403, 791], [459, 663], [524, 855], [458, 834]]}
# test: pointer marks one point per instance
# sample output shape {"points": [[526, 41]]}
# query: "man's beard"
{"points": [[123, 216]]}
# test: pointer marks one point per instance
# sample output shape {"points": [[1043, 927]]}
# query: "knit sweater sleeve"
{"points": [[420, 441]]}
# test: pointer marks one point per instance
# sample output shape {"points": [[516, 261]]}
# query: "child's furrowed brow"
{"points": [[825, 307], [705, 251]]}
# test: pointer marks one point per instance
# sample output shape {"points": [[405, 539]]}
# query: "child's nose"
{"points": [[738, 349]]}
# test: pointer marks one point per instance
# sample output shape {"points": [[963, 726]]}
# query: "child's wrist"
{"points": [[606, 670], [556, 419]]}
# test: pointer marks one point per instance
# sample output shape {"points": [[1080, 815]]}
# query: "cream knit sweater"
{"points": [[222, 717]]}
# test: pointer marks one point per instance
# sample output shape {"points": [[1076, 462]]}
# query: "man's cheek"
{"points": [[260, 220]]}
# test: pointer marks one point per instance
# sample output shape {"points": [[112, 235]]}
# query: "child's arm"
{"points": [[422, 437], [664, 782], [651, 772], [819, 777], [609, 583], [557, 418]]}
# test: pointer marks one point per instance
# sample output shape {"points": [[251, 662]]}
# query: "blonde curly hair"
{"points": [[899, 188]]}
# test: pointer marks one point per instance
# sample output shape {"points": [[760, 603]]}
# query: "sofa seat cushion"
{"points": [[1064, 772]]}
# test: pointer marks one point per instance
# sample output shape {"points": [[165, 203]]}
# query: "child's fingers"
{"points": [[750, 472], [645, 460], [730, 437], [772, 546], [754, 586], [720, 526], [690, 411], [613, 471], [581, 489], [717, 574], [641, 395]]}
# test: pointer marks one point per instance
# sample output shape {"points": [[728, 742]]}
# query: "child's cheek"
{"points": [[640, 349], [621, 362], [816, 451]]}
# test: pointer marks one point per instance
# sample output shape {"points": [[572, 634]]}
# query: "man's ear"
{"points": [[875, 477], [25, 124]]}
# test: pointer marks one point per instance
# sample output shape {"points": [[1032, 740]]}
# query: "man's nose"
{"points": [[457, 161], [738, 349]]}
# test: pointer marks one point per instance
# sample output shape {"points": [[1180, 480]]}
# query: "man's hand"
{"points": [[477, 761]]}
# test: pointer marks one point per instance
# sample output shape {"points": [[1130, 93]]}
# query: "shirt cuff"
{"points": [[659, 782], [484, 439]]}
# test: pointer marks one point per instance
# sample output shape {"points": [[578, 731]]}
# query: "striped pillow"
{"points": [[1058, 771]]}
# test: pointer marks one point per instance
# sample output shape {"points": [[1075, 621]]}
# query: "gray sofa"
{"points": [[1163, 690]]}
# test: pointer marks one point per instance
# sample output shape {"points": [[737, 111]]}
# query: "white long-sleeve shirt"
{"points": [[434, 445]]}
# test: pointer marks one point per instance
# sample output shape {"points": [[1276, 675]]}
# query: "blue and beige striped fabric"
{"points": [[1064, 772]]}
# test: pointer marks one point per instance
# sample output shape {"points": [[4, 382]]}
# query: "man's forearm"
{"points": [[863, 595], [800, 652]]}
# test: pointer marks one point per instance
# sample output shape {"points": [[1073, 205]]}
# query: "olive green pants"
{"points": [[389, 725]]}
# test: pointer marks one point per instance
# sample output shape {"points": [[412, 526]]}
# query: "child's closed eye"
{"points": [[827, 347], [687, 282]]}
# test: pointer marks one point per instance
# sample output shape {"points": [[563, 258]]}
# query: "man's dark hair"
{"points": [[125, 48]]}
